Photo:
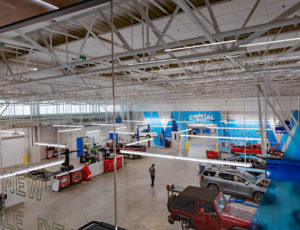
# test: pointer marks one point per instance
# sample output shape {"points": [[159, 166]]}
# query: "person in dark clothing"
{"points": [[152, 174]]}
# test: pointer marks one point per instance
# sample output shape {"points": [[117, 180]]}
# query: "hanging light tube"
{"points": [[47, 4], [150, 62], [102, 124], [270, 42], [93, 131], [137, 142], [186, 130], [31, 169], [49, 144], [136, 121], [129, 133], [123, 127], [158, 119], [220, 137], [12, 132], [272, 59], [208, 161], [234, 128], [69, 130], [68, 126], [172, 69], [200, 46]]}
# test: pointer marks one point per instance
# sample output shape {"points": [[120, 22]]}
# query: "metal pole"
{"points": [[266, 109], [114, 113], [2, 187], [260, 124]]}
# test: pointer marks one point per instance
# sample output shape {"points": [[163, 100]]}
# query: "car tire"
{"points": [[257, 197], [213, 187], [148, 136], [130, 156], [186, 223], [171, 201]]}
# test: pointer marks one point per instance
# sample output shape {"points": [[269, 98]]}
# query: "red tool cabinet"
{"points": [[109, 164], [75, 176], [64, 180]]}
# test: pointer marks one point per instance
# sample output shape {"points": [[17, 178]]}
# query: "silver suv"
{"points": [[234, 182]]}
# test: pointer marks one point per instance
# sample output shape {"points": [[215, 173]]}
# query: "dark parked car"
{"points": [[200, 208], [256, 162], [234, 182]]}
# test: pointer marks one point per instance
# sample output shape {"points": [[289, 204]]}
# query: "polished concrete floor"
{"points": [[139, 206]]}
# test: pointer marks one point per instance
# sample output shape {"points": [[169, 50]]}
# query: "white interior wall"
{"points": [[47, 134]]}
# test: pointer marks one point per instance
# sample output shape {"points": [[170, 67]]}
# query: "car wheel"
{"points": [[186, 223], [257, 196], [148, 136], [131, 156], [213, 187]]}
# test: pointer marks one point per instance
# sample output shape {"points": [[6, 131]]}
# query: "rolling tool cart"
{"points": [[109, 163], [76, 176], [61, 181]]}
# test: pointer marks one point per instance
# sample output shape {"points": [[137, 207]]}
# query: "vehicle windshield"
{"points": [[249, 177], [221, 203]]}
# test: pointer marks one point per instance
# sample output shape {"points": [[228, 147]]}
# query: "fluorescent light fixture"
{"points": [[47, 4], [69, 130], [135, 121], [123, 127], [270, 42], [200, 46], [49, 144], [34, 69], [102, 124], [93, 131], [252, 122], [220, 137], [160, 126], [151, 62], [186, 130], [158, 119], [129, 133], [172, 69], [12, 132], [31, 169], [69, 126], [209, 161], [272, 59], [235, 128], [137, 142]]}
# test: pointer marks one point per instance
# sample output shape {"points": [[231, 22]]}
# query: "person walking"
{"points": [[152, 174]]}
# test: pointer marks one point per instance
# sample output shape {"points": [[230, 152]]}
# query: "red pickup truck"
{"points": [[254, 149], [201, 208], [119, 147]]}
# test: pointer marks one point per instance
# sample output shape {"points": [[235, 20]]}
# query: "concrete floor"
{"points": [[140, 206]]}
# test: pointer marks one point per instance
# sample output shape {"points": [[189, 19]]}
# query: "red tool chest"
{"points": [[75, 176], [64, 180], [109, 164]]}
